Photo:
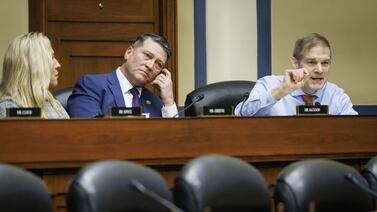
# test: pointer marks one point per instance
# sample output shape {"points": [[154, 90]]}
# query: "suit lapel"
{"points": [[150, 104], [146, 102], [115, 89]]}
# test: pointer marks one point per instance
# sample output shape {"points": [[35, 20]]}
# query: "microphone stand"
{"points": [[196, 99], [138, 186], [245, 96]]}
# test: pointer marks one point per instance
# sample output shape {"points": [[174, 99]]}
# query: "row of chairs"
{"points": [[209, 183]]}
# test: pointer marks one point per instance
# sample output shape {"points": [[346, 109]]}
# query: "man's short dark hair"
{"points": [[156, 38], [304, 44]]}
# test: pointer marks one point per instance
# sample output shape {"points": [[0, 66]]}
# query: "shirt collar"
{"points": [[316, 94], [125, 85]]}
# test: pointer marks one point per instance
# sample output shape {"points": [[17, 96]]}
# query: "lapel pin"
{"points": [[148, 102]]}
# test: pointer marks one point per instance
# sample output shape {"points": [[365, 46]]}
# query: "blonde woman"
{"points": [[29, 70]]}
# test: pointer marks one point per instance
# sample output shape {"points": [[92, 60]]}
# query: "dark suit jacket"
{"points": [[95, 93]]}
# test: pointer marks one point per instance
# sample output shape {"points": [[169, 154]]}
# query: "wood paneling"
{"points": [[122, 32], [161, 141], [89, 38], [102, 11]]}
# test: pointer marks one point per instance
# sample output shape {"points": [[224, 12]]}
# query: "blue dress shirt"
{"points": [[261, 102]]}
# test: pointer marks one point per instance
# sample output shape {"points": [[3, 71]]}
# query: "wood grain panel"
{"points": [[94, 65], [155, 141], [78, 58], [98, 31], [58, 183], [111, 10], [95, 49]]}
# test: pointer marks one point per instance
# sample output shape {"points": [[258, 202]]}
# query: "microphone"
{"points": [[98, 115], [138, 186], [244, 98], [198, 98], [352, 178], [317, 104]]}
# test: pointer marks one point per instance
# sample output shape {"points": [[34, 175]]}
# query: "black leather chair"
{"points": [[106, 186], [370, 173], [322, 182], [21, 190], [63, 95], [226, 93], [221, 184]]}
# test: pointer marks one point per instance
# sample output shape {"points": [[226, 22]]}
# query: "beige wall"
{"points": [[13, 22], [231, 40], [231, 43], [351, 28], [186, 50]]}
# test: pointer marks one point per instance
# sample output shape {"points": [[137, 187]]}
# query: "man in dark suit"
{"points": [[144, 63]]}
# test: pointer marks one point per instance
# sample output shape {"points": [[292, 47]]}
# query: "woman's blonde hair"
{"points": [[27, 70]]}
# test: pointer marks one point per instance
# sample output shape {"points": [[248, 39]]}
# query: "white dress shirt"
{"points": [[125, 86], [261, 102]]}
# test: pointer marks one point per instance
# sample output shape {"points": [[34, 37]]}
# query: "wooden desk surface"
{"points": [[71, 143]]}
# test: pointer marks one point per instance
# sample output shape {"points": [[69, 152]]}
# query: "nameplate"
{"points": [[25, 112], [124, 111], [312, 110], [217, 111]]}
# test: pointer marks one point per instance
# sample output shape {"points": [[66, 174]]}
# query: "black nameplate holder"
{"points": [[24, 112], [303, 110], [217, 111], [122, 112]]}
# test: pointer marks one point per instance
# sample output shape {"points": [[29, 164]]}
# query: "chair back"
{"points": [[20, 190], [220, 94], [323, 183], [106, 186], [63, 95], [370, 173], [221, 184]]}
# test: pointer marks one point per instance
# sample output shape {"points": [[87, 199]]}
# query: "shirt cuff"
{"points": [[169, 111]]}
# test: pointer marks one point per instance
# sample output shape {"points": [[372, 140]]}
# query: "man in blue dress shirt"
{"points": [[279, 95], [144, 63]]}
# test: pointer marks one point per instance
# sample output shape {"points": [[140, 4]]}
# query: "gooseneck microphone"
{"points": [[198, 98], [98, 115], [244, 98], [138, 186], [352, 178]]}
